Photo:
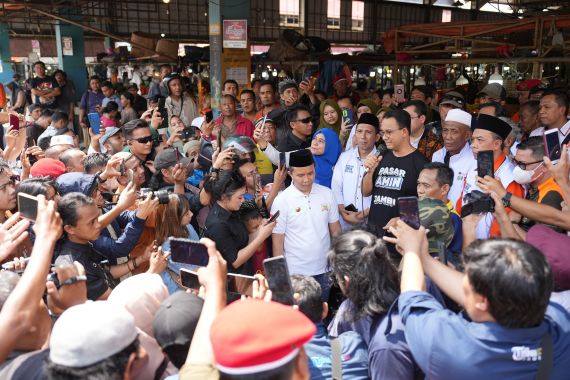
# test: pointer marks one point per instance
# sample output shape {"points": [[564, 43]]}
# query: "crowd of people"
{"points": [[474, 281]]}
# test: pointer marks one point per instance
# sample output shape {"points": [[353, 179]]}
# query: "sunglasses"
{"points": [[143, 140], [305, 120]]}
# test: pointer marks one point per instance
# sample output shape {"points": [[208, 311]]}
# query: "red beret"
{"points": [[528, 84], [254, 336], [47, 167]]}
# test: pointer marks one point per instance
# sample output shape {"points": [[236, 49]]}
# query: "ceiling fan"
{"points": [[458, 4]]}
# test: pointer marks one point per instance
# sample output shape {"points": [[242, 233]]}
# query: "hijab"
{"points": [[322, 123], [370, 104], [324, 163]]}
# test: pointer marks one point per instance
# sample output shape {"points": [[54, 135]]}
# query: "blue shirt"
{"points": [[354, 355], [112, 98], [94, 98], [389, 356], [447, 346]]}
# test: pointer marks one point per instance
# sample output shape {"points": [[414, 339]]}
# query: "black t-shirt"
{"points": [[99, 279], [45, 83], [394, 177], [230, 235]]}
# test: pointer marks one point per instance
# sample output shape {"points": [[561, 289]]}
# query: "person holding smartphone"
{"points": [[225, 227], [489, 134]]}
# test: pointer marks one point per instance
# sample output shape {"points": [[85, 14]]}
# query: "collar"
{"points": [[299, 192], [221, 212], [357, 153], [295, 139], [565, 129], [499, 161], [492, 331], [549, 183]]}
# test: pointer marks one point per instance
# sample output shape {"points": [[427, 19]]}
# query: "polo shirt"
{"points": [[99, 279], [347, 181], [461, 163], [90, 100], [243, 126], [447, 346], [112, 98], [304, 220]]}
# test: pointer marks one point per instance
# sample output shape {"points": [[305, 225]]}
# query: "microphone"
{"points": [[379, 152]]}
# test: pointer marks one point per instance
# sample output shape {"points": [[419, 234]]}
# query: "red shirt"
{"points": [[243, 126]]}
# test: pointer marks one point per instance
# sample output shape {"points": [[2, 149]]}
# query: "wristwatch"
{"points": [[507, 199]]}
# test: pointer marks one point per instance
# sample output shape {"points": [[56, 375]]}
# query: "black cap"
{"points": [[301, 158], [168, 158], [176, 319], [493, 124], [368, 118]]}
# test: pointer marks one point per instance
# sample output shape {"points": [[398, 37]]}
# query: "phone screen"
{"points": [[399, 93], [189, 279], [409, 211], [188, 252], [241, 284], [282, 160], [278, 278], [28, 206], [209, 116], [485, 164], [351, 208], [552, 145], [163, 112], [348, 118], [274, 217], [14, 122], [94, 122]]}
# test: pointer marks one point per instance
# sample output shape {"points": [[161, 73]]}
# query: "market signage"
{"points": [[235, 34]]}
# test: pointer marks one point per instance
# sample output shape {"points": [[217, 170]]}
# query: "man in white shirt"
{"points": [[553, 113], [307, 220], [456, 152], [349, 170]]}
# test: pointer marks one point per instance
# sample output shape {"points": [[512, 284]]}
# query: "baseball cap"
{"points": [[528, 84], [459, 116], [109, 132], [435, 216], [287, 83], [61, 140], [494, 91], [89, 333], [47, 167], [453, 98], [197, 122], [255, 336], [176, 319], [242, 144], [168, 158]]}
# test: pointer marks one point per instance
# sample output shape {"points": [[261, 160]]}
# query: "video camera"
{"points": [[161, 195]]}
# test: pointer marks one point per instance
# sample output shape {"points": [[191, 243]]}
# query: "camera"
{"points": [[477, 202], [53, 278], [161, 195]]}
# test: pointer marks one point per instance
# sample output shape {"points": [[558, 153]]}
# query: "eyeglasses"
{"points": [[305, 120], [523, 165], [389, 132], [143, 140], [11, 182]]}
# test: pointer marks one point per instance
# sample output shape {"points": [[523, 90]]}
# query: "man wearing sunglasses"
{"points": [[8, 182], [140, 142]]}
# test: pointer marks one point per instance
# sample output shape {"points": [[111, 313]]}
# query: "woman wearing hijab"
{"points": [[326, 149], [366, 106], [331, 115]]}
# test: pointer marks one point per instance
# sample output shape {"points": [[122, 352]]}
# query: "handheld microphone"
{"points": [[379, 152]]}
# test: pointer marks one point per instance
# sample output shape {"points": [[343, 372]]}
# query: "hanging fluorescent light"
{"points": [[496, 77], [166, 1], [420, 81]]}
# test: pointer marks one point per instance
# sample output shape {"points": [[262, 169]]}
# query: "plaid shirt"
{"points": [[429, 143]]}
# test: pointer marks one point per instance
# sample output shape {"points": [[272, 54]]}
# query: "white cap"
{"points": [[61, 140], [459, 116], [197, 122], [91, 332]]}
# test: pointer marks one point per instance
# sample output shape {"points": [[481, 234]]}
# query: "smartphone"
{"points": [[399, 93], [177, 154], [282, 160], [187, 133], [10, 264], [442, 252], [130, 175], [28, 206], [188, 252], [274, 217], [485, 163], [209, 115], [163, 112], [14, 123], [240, 284], [94, 122], [351, 208], [348, 118], [409, 211], [189, 279], [279, 281], [552, 145]]}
